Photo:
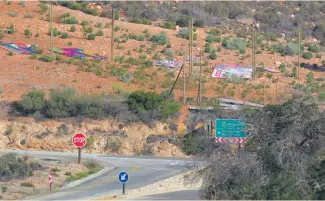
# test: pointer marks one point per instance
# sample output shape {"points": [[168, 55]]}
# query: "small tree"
{"points": [[72, 28], [213, 55], [310, 77], [91, 36], [27, 32]]}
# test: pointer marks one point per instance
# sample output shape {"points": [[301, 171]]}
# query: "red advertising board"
{"points": [[79, 140]]}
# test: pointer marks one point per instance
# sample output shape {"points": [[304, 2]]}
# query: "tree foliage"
{"points": [[283, 156]]}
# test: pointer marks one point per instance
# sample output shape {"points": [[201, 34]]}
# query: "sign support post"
{"points": [[79, 154], [79, 140], [123, 177]]}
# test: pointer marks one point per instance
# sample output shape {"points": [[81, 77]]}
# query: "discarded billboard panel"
{"points": [[168, 63], [227, 71], [18, 47]]}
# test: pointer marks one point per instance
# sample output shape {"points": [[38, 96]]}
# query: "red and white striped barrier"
{"points": [[50, 178], [230, 140]]}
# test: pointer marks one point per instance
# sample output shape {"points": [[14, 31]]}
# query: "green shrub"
{"points": [[313, 48], [1, 35], [84, 23], [10, 53], [141, 21], [77, 176], [310, 77], [32, 102], [269, 75], [72, 28], [69, 43], [307, 55], [64, 35], [13, 166], [43, 7], [170, 25], [160, 39], [140, 38], [294, 72], [211, 38], [88, 30], [69, 20], [4, 188], [183, 33], [117, 14], [235, 44], [321, 96], [64, 15], [207, 48], [99, 33], [13, 14], [258, 52], [291, 49], [47, 58], [146, 103], [147, 33], [27, 184], [213, 55], [283, 67], [117, 28], [28, 16], [319, 56], [91, 36], [126, 77], [99, 25]]}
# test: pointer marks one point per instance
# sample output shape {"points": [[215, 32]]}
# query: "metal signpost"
{"points": [[123, 177], [50, 181], [230, 130], [79, 140]]}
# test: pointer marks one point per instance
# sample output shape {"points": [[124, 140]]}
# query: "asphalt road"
{"points": [[142, 171], [176, 195]]}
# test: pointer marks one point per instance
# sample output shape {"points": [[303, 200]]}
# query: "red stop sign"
{"points": [[79, 140]]}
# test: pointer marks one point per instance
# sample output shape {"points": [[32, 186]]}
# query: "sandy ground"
{"points": [[176, 183], [40, 178], [20, 74]]}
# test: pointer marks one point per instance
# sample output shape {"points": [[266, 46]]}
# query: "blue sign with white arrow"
{"points": [[123, 177]]}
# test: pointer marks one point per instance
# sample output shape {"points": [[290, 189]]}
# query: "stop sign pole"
{"points": [[79, 140]]}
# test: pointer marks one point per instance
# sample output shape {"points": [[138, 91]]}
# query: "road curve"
{"points": [[142, 171]]}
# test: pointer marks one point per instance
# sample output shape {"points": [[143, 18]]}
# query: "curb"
{"points": [[92, 176]]}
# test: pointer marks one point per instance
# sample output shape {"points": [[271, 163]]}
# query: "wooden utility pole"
{"points": [[51, 27], [298, 69], [190, 32], [112, 35], [253, 50], [199, 91], [184, 81]]}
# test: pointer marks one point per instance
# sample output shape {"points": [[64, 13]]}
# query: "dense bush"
{"points": [[99, 33], [84, 23], [213, 55], [91, 36], [64, 35], [150, 106], [47, 58], [69, 20], [160, 39], [12, 166], [170, 25], [291, 49], [32, 102], [313, 48], [27, 32], [310, 77], [235, 44], [125, 77], [72, 29], [307, 55], [141, 21], [211, 38]]}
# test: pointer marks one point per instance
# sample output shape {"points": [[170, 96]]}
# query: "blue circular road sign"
{"points": [[123, 177]]}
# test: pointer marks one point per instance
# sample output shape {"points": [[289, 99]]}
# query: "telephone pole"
{"points": [[298, 69], [184, 81], [199, 91], [190, 32], [112, 35], [51, 27]]}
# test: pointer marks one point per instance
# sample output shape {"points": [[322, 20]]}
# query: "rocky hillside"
{"points": [[102, 137]]}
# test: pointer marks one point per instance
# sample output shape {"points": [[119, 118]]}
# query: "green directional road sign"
{"points": [[233, 128]]}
